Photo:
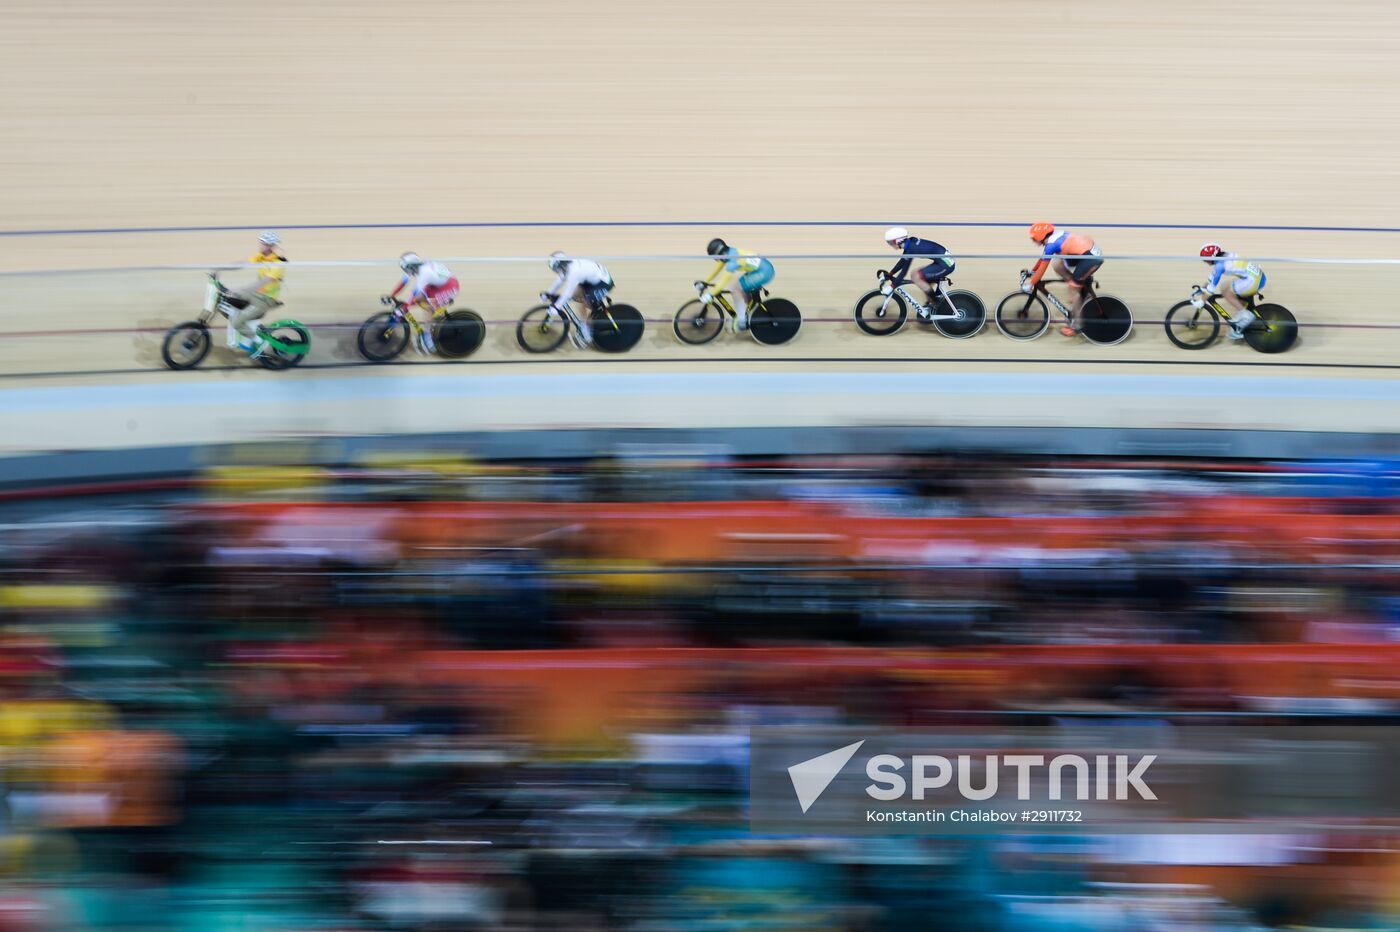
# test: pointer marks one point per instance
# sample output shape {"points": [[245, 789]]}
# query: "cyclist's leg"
{"points": [[747, 284], [1066, 270], [1080, 273], [594, 296], [1238, 294], [440, 297], [928, 278], [244, 320]]}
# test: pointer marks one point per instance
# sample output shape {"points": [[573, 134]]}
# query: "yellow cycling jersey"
{"points": [[270, 272], [734, 262]]}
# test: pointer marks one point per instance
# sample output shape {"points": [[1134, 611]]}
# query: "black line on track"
{"points": [[670, 360]]}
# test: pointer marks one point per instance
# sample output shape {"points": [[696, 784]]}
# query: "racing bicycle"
{"points": [[385, 335], [1105, 320], [616, 327], [280, 345], [958, 314], [772, 321], [1273, 330]]}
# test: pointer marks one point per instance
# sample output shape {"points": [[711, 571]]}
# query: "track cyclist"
{"points": [[928, 277], [756, 272], [432, 286], [1075, 258], [261, 297], [1235, 279], [578, 280]]}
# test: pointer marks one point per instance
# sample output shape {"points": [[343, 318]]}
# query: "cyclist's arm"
{"points": [[901, 268], [400, 287], [1038, 270], [1218, 271], [724, 271], [563, 289]]}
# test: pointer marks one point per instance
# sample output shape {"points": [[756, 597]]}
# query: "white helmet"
{"points": [[896, 234], [269, 238], [557, 260], [410, 261]]}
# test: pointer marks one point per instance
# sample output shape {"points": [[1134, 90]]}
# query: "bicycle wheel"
{"points": [[1022, 316], [618, 328], [1192, 327], [382, 337], [879, 314], [775, 322], [459, 333], [972, 316], [1106, 320], [1275, 331], [698, 323], [288, 342], [185, 345], [536, 333]]}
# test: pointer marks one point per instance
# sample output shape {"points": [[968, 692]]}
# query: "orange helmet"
{"points": [[1041, 231]]}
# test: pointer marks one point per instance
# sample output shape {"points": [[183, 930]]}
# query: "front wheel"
{"points": [[1106, 320], [286, 344], [382, 337], [698, 323], [775, 322], [536, 333], [1191, 327], [971, 316], [1275, 330], [185, 345], [880, 314], [1022, 316], [617, 328], [459, 333]]}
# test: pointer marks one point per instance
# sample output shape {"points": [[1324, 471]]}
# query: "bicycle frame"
{"points": [[404, 312], [721, 300], [1060, 305], [215, 293], [939, 294]]}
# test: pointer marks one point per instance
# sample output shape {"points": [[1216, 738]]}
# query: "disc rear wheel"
{"points": [[1275, 331], [775, 321], [972, 315], [616, 328], [1106, 320], [459, 334]]}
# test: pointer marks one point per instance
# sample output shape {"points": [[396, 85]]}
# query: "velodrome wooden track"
{"points": [[1190, 115]]}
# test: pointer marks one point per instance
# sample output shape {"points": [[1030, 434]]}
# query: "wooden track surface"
{"points": [[149, 114]]}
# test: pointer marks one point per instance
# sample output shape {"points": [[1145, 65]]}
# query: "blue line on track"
{"points": [[532, 224]]}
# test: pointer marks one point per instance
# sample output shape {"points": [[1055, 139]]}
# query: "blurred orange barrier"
{"points": [[701, 532], [585, 697]]}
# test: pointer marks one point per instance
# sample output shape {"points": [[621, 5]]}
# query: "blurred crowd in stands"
{"points": [[431, 694]]}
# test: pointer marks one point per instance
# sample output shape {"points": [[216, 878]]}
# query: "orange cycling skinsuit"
{"points": [[1076, 257]]}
